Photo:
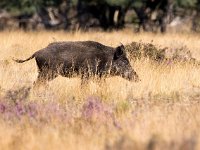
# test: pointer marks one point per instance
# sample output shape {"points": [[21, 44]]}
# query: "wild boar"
{"points": [[84, 58]]}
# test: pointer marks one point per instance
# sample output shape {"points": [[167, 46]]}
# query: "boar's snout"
{"points": [[131, 76]]}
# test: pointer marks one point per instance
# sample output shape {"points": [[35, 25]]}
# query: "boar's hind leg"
{"points": [[44, 77]]}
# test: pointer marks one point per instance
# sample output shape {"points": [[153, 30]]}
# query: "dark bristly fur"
{"points": [[87, 58]]}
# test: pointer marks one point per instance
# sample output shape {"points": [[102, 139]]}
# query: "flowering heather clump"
{"points": [[20, 94], [2, 107], [94, 110], [41, 112]]}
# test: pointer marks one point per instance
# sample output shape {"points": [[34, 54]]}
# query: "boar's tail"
{"points": [[21, 61]]}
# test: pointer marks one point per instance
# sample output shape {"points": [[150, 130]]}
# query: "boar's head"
{"points": [[121, 65]]}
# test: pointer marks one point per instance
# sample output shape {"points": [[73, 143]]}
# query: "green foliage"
{"points": [[109, 2], [186, 3], [17, 7], [118, 2], [94, 2], [137, 3], [30, 6]]}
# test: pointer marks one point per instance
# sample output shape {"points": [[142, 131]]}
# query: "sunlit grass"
{"points": [[162, 107]]}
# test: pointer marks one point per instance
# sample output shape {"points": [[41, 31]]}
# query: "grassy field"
{"points": [[159, 112]]}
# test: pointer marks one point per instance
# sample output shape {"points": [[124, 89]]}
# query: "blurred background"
{"points": [[137, 15]]}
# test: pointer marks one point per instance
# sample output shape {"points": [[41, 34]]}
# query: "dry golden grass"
{"points": [[162, 111]]}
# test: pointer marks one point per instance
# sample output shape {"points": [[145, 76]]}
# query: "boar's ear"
{"points": [[119, 52]]}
